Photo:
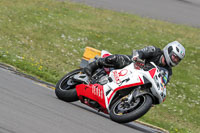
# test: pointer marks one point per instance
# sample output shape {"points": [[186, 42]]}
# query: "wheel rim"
{"points": [[68, 83], [122, 107]]}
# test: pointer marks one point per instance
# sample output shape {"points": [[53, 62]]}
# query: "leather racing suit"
{"points": [[148, 54]]}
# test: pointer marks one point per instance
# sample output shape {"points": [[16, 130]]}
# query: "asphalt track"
{"points": [[185, 12], [27, 107]]}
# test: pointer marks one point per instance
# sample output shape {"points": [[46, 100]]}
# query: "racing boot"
{"points": [[91, 68]]}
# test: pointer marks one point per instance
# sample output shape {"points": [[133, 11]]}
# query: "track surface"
{"points": [[176, 11], [26, 107]]}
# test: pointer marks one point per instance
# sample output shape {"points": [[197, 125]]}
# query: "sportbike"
{"points": [[125, 94]]}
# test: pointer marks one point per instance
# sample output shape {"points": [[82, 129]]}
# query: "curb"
{"points": [[14, 70], [152, 126], [49, 85]]}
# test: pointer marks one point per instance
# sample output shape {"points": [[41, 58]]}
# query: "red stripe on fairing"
{"points": [[152, 72], [125, 86]]}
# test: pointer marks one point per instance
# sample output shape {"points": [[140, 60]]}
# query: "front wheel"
{"points": [[65, 88], [123, 112]]}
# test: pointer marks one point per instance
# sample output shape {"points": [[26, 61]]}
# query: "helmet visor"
{"points": [[175, 58]]}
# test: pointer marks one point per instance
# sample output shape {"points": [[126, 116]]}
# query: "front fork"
{"points": [[136, 93]]}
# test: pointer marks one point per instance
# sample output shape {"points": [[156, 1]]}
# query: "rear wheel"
{"points": [[65, 88], [123, 112]]}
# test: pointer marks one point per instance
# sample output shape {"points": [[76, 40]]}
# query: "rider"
{"points": [[169, 57]]}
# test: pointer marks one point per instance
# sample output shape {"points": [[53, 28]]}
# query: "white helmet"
{"points": [[176, 49]]}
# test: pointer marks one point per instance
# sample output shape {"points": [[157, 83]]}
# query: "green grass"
{"points": [[46, 38]]}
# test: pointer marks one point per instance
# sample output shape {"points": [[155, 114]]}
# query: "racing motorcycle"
{"points": [[125, 94]]}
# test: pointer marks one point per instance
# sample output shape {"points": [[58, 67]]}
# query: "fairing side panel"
{"points": [[94, 92]]}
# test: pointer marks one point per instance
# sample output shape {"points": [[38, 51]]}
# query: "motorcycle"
{"points": [[125, 94]]}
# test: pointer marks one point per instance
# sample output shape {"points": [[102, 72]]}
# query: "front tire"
{"points": [[122, 113], [65, 88]]}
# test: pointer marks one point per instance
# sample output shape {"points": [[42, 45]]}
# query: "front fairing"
{"points": [[121, 79], [158, 88]]}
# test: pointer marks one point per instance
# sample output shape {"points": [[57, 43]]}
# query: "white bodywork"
{"points": [[129, 76]]}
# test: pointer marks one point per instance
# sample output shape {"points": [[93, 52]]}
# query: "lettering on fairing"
{"points": [[117, 76], [97, 91]]}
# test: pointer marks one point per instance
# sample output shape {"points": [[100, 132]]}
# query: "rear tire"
{"points": [[121, 114], [65, 88]]}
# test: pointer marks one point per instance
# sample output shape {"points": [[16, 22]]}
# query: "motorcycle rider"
{"points": [[167, 58]]}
